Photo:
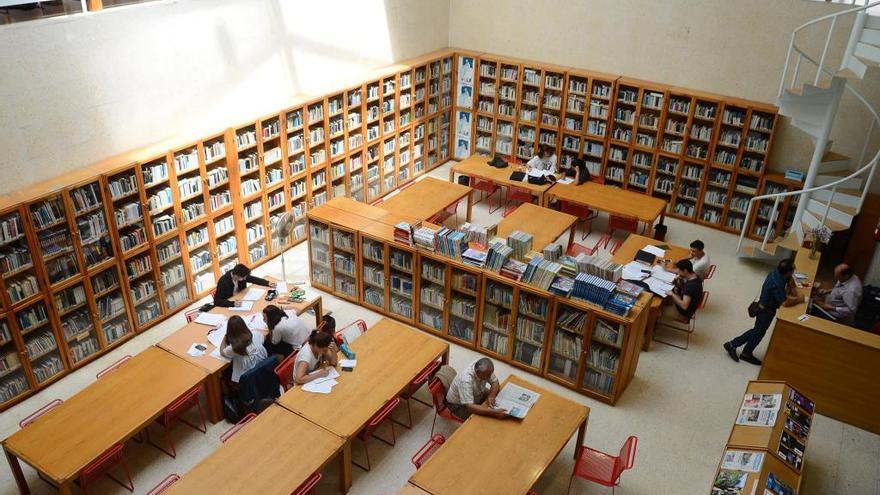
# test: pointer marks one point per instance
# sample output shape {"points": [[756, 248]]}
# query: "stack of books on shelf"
{"points": [[425, 238], [553, 252], [499, 252], [452, 243], [521, 242], [540, 272], [592, 289], [793, 174], [602, 268], [562, 285], [474, 257], [403, 233], [478, 234], [512, 269]]}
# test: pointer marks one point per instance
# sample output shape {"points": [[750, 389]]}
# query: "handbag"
{"points": [[754, 308]]}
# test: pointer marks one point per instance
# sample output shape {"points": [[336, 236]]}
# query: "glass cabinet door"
{"points": [[496, 323], [566, 344], [531, 317]]}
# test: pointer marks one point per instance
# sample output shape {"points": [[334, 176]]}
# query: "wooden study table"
{"points": [[613, 200], [410, 489], [544, 224], [478, 166], [111, 410], [427, 197], [179, 342], [272, 455], [627, 252], [389, 356], [491, 456]]}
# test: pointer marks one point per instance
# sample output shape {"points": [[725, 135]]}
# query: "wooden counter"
{"points": [[478, 166], [427, 197]]}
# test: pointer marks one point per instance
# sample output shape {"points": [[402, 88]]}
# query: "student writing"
{"points": [[287, 331], [235, 281], [312, 355], [243, 347]]}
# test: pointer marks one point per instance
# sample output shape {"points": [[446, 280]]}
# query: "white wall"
{"points": [[734, 48], [79, 89]]}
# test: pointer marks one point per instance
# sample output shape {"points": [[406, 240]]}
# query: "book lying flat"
{"points": [[517, 401]]}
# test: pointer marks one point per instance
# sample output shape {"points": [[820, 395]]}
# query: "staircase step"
{"points": [[849, 73], [848, 198], [872, 22], [833, 161], [855, 183], [870, 36], [813, 220], [856, 66], [868, 52], [834, 213]]}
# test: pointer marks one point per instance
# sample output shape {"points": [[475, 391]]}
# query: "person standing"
{"points": [[778, 290], [842, 301]]}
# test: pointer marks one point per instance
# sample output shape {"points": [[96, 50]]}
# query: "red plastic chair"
{"points": [[602, 468], [446, 214], [351, 332], [192, 315], [101, 467], [308, 485], [515, 197], [438, 395], [164, 485], [113, 367], [237, 427], [174, 413], [614, 247], [626, 224], [284, 371], [488, 187], [29, 420], [598, 179], [584, 214], [710, 272], [427, 450], [575, 249], [370, 430], [687, 329], [416, 383]]}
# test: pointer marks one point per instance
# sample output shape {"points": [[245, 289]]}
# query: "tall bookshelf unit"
{"points": [[704, 154], [154, 229]]}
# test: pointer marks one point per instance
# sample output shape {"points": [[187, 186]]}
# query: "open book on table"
{"points": [[517, 401]]}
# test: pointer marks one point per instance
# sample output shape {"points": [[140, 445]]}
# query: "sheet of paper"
{"points": [[216, 354], [210, 319], [215, 337], [255, 322], [319, 387], [347, 363], [254, 294], [633, 271], [745, 461], [565, 180], [332, 375], [245, 306], [658, 287], [655, 251], [281, 287], [661, 273], [196, 350]]}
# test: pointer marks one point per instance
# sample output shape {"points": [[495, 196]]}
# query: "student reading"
{"points": [[577, 170], [234, 281], [312, 356], [242, 346], [475, 384], [287, 331], [542, 164]]}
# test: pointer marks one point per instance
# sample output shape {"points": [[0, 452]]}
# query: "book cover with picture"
{"points": [[796, 428], [729, 482], [805, 403], [789, 457], [775, 486]]}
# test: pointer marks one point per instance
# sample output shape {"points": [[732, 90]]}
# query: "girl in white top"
{"points": [[312, 355], [542, 164], [286, 330], [243, 347]]}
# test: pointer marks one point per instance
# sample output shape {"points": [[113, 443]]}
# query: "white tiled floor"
{"points": [[680, 404]]}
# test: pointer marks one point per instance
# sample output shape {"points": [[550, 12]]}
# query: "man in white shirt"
{"points": [[700, 259], [475, 384], [542, 164]]}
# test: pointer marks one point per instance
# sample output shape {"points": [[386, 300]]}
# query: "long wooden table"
{"points": [[427, 197], [111, 410], [544, 224], [491, 456], [478, 166], [613, 200], [627, 252], [179, 342], [272, 455], [389, 356]]}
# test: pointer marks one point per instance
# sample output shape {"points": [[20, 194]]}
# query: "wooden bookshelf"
{"points": [[155, 228], [520, 324], [772, 440]]}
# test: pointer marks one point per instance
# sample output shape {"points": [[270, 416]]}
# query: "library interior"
{"points": [[584, 247]]}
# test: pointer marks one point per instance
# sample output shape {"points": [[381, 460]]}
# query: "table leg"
{"points": [[571, 236], [470, 204], [444, 358], [451, 174], [345, 467], [214, 395], [582, 430], [15, 466], [653, 314], [319, 312], [65, 488]]}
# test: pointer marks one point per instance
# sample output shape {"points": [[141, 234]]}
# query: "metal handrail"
{"points": [[820, 70]]}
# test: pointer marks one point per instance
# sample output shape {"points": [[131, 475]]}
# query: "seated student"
{"points": [[328, 326], [542, 164], [686, 295], [315, 353], [243, 347], [234, 281], [287, 331], [577, 171], [699, 259], [472, 386], [842, 301]]}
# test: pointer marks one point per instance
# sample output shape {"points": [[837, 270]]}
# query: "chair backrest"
{"points": [[192, 314], [284, 370], [627, 457], [482, 184], [598, 179], [519, 194], [427, 450], [164, 484], [383, 413], [438, 394], [183, 403], [27, 421], [237, 427], [710, 272], [704, 300], [577, 210], [308, 485], [350, 333], [614, 247], [102, 464], [453, 208], [628, 224], [426, 373], [113, 366]]}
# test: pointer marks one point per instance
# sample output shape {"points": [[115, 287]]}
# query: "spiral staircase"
{"points": [[835, 185]]}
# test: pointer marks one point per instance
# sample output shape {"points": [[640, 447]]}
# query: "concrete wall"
{"points": [[734, 48], [78, 89]]}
